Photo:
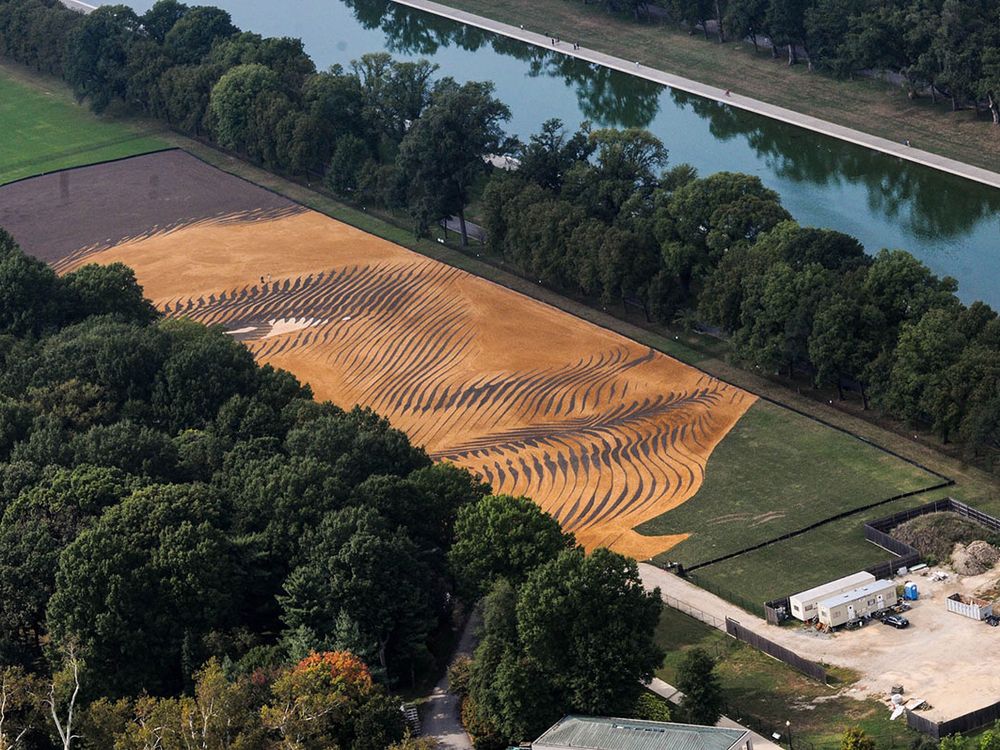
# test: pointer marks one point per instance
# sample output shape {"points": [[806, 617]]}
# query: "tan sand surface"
{"points": [[600, 431]]}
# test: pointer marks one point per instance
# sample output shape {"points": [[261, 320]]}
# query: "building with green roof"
{"points": [[601, 733]]}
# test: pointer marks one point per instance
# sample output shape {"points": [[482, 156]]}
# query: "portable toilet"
{"points": [[910, 592]]}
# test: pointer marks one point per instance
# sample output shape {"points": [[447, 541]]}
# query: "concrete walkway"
{"points": [[672, 694], [440, 717], [636, 68], [710, 608]]}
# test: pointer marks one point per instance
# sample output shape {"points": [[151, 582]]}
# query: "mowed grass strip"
{"points": [[869, 106], [775, 472], [43, 131], [765, 693], [831, 551]]}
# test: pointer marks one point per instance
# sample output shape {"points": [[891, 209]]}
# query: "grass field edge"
{"points": [[100, 163], [815, 525]]}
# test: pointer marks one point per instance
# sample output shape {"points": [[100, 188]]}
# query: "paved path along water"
{"points": [[636, 68]]}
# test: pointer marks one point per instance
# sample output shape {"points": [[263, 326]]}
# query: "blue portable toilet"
{"points": [[910, 591]]}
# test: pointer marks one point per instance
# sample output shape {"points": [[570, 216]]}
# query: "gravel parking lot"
{"points": [[948, 660]]}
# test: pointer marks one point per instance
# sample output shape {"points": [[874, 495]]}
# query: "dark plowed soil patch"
{"points": [[70, 214]]}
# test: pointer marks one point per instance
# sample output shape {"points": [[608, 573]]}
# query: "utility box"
{"points": [[803, 606], [863, 601], [969, 606]]}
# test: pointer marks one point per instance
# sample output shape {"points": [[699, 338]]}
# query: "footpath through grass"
{"points": [[869, 106], [776, 472], [44, 130], [764, 693]]}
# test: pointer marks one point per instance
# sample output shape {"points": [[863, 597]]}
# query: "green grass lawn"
{"points": [[776, 472], [796, 564], [44, 130], [764, 693], [834, 550]]}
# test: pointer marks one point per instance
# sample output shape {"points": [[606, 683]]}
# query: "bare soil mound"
{"points": [[936, 534], [974, 558]]}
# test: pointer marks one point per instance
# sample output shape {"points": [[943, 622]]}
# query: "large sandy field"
{"points": [[602, 432]]}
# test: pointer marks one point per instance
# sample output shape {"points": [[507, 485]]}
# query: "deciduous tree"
{"points": [[445, 150], [696, 678], [502, 536]]}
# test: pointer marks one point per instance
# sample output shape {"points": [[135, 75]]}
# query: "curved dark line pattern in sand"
{"points": [[601, 432], [555, 434], [78, 257]]}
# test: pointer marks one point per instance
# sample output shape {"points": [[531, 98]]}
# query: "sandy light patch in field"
{"points": [[601, 432]]}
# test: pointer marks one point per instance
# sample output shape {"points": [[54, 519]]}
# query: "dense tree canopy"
{"points": [[187, 534], [444, 151], [941, 48], [164, 501], [607, 221], [575, 637], [502, 537]]}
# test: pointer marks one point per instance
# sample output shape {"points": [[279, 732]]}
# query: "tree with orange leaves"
{"points": [[329, 699]]}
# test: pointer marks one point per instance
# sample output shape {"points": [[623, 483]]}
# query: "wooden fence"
{"points": [[776, 610], [966, 723], [877, 532], [759, 642]]}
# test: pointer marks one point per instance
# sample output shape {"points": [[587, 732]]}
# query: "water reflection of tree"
{"points": [[605, 96], [929, 203]]}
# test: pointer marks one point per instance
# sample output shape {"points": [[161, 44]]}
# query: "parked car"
{"points": [[992, 620], [897, 621]]}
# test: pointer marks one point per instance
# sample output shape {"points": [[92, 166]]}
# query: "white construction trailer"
{"points": [[857, 603], [804, 605]]}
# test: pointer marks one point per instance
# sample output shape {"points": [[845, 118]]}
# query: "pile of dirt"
{"points": [[974, 558], [935, 535]]}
